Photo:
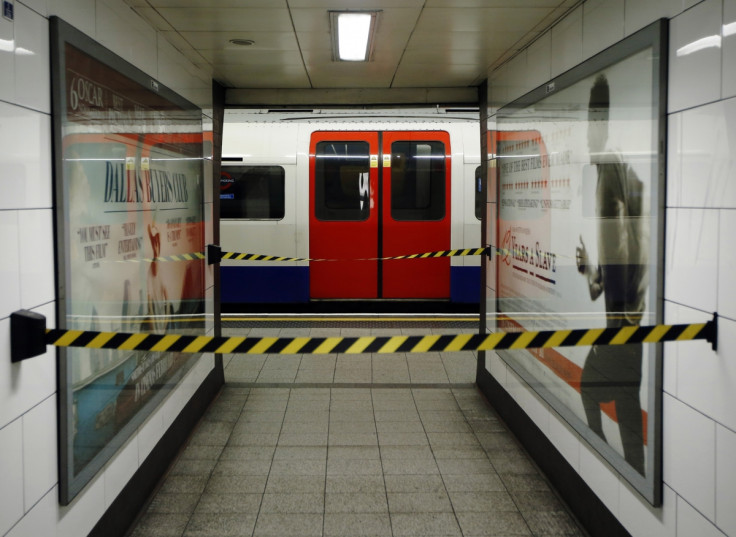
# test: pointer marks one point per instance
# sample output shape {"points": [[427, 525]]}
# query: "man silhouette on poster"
{"points": [[613, 373]]}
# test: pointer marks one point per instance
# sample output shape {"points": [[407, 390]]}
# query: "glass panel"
{"points": [[252, 192], [417, 180], [580, 230], [342, 185]]}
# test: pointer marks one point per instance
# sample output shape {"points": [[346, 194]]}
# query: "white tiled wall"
{"points": [[699, 414], [28, 467]]}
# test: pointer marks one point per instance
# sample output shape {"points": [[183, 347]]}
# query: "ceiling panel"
{"points": [[478, 20], [419, 43], [224, 19], [455, 4], [253, 57], [221, 40]]}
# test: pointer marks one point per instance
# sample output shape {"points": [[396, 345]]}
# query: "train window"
{"points": [[252, 192], [478, 194], [341, 181], [418, 180]]}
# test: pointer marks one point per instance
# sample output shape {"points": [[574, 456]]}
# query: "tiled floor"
{"points": [[362, 445]]}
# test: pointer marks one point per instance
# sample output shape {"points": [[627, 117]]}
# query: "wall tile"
{"points": [[497, 368], [565, 439], [567, 42], [691, 261], [25, 384], [690, 522], [728, 33], [40, 520], [119, 470], [516, 76], [7, 61], [688, 440], [726, 264], [39, 6], [674, 160], [25, 162], [78, 13], [725, 480], [498, 89], [640, 13], [539, 61], [11, 469], [642, 519], [36, 239], [603, 25], [9, 263], [708, 155], [150, 433], [695, 56], [689, 351], [32, 76], [706, 380], [120, 29], [600, 477], [40, 471], [79, 517]]}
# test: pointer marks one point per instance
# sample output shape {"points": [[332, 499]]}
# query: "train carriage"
{"points": [[346, 192]]}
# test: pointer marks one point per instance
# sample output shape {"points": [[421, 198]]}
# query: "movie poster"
{"points": [[578, 228], [131, 191]]}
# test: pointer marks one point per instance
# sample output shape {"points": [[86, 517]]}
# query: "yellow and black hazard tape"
{"points": [[381, 345], [238, 256], [214, 254], [166, 258]]}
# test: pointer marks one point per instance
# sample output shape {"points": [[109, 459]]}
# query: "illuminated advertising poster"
{"points": [[129, 179], [579, 186]]}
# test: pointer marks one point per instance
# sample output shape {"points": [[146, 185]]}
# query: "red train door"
{"points": [[376, 195], [343, 217], [416, 213]]}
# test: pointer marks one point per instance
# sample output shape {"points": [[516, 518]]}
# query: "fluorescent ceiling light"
{"points": [[352, 35]]}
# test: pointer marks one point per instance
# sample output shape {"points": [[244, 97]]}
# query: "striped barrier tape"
{"points": [[242, 256], [214, 254], [381, 345], [29, 337], [165, 258]]}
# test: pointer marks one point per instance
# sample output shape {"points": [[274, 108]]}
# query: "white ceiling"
{"points": [[425, 50]]}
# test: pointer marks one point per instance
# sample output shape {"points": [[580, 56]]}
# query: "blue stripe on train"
{"points": [[264, 284], [465, 284], [291, 284]]}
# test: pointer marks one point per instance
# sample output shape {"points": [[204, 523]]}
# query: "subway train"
{"points": [[339, 192]]}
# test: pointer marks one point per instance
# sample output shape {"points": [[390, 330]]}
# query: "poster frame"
{"points": [[654, 36], [61, 35]]}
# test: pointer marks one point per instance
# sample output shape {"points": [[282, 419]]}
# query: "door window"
{"points": [[417, 180], [342, 188]]}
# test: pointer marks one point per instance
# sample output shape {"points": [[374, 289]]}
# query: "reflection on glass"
{"points": [[342, 182], [417, 181], [252, 192], [578, 172]]}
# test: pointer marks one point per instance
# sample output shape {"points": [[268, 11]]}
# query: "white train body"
{"points": [[289, 225]]}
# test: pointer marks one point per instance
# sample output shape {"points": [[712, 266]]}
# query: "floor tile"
{"points": [[360, 524], [353, 445], [220, 525], [286, 525], [356, 502], [293, 503], [424, 524], [419, 502], [229, 503]]}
